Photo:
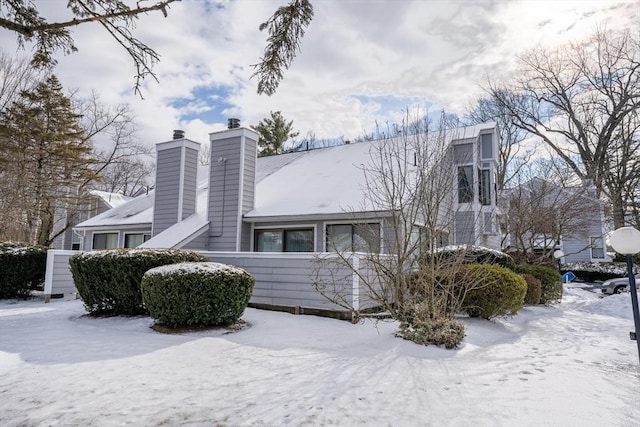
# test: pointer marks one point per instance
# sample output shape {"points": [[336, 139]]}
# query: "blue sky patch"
{"points": [[207, 103]]}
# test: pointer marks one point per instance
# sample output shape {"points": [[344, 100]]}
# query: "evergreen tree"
{"points": [[45, 159], [274, 132]]}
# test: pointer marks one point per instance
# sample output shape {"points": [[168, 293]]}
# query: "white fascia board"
{"points": [[178, 143], [346, 216], [232, 133], [114, 227]]}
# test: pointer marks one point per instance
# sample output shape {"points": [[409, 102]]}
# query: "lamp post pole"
{"points": [[626, 241]]}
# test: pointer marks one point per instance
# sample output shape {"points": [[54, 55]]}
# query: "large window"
{"points": [[135, 240], [484, 184], [597, 248], [465, 184], [353, 237], [284, 240], [486, 144], [105, 240]]}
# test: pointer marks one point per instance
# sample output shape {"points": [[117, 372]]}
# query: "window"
{"points": [[486, 144], [463, 153], [465, 184], [105, 240], [484, 184], [284, 240], [597, 248], [353, 237], [135, 240]]}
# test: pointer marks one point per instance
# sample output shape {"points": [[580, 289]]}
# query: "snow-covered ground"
{"points": [[566, 365]]}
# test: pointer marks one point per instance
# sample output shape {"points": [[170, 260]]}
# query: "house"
{"points": [[543, 217], [306, 201], [97, 203]]}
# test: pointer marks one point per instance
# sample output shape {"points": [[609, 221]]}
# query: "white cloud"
{"points": [[434, 52]]}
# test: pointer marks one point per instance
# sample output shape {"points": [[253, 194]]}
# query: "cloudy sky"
{"points": [[361, 61]]}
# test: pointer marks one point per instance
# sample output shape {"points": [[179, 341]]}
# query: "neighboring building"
{"points": [[97, 203], [542, 217], [307, 201]]}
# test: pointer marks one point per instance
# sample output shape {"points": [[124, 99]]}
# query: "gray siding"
{"points": [[177, 164], [231, 188], [58, 279], [165, 212], [287, 279], [190, 182], [199, 243], [464, 228]]}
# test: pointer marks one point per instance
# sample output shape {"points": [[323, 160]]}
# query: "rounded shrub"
{"points": [[22, 269], [550, 279], [534, 290], [203, 294], [492, 291], [108, 281]]}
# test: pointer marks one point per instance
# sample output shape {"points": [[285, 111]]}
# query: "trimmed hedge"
{"points": [[22, 268], [493, 291], [550, 279], [534, 290], [202, 294], [108, 281]]}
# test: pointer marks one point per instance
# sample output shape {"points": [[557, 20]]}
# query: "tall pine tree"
{"points": [[46, 161]]}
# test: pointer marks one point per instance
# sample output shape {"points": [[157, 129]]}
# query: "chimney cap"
{"points": [[233, 123], [178, 134]]}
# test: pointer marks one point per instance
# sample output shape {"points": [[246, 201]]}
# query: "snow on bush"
{"points": [[203, 294], [109, 280]]}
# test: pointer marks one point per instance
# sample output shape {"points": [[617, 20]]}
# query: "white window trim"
{"points": [[283, 227], [474, 182], [124, 237], [493, 146], [93, 233], [364, 221], [604, 249]]}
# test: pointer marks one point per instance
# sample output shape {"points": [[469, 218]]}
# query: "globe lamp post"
{"points": [[558, 255], [626, 241]]}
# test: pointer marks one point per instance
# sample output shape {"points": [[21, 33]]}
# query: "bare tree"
{"points": [[541, 212], [286, 28], [408, 181], [16, 75], [581, 99]]}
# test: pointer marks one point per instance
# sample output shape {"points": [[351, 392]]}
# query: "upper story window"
{"points": [[105, 240], [484, 186], [284, 240], [486, 146], [462, 154], [353, 237], [465, 184]]}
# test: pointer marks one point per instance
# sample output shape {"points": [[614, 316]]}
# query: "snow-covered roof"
{"points": [[136, 211], [111, 199], [179, 234], [323, 181]]}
